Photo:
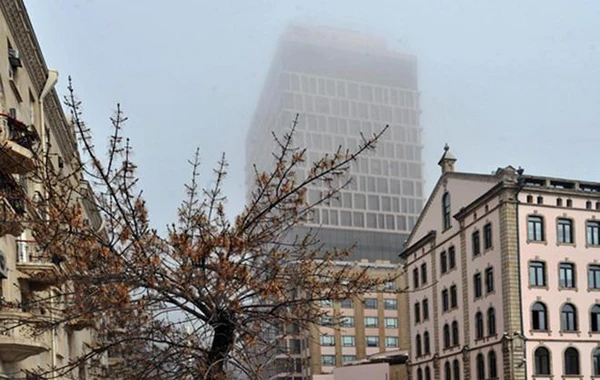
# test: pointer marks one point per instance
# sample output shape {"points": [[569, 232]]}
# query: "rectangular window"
{"points": [[564, 231], [347, 304], [390, 322], [325, 303], [391, 341], [327, 340], [348, 341], [417, 313], [328, 360], [326, 321], [487, 236], [370, 303], [567, 275], [593, 233], [372, 341], [423, 274], [594, 277], [453, 296], [475, 241], [371, 322], [535, 228], [445, 305], [451, 257], [348, 358], [537, 273], [416, 278], [443, 262], [425, 310], [489, 280], [347, 321], [477, 285], [390, 304]]}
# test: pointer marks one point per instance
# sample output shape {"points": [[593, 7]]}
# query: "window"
{"points": [[390, 322], [327, 340], [348, 341], [594, 277], [446, 210], [425, 309], [568, 318], [593, 233], [595, 318], [480, 367], [455, 340], [391, 341], [447, 371], [445, 305], [475, 241], [426, 346], [564, 231], [427, 373], [451, 258], [453, 296], [542, 361], [416, 278], [491, 320], [347, 321], [423, 274], [390, 304], [571, 361], [417, 312], [348, 358], [596, 361], [535, 228], [347, 304], [492, 368], [479, 325], [559, 202], [446, 336], [418, 345], [370, 303], [489, 280], [326, 303], [372, 341], [444, 262], [419, 374], [567, 275], [326, 321], [539, 318], [487, 236], [537, 273], [456, 369], [371, 322], [477, 285], [328, 360], [540, 200]]}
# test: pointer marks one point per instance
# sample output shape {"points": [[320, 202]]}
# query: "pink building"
{"points": [[502, 270]]}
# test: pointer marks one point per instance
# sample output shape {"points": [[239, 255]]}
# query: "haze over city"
{"points": [[503, 83]]}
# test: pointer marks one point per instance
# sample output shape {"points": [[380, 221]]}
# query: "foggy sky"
{"points": [[504, 83]]}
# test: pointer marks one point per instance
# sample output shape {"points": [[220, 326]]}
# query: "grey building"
{"points": [[344, 83]]}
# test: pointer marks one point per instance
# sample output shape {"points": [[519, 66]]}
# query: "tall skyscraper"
{"points": [[342, 84]]}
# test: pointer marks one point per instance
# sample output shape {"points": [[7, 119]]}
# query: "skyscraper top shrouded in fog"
{"points": [[342, 84]]}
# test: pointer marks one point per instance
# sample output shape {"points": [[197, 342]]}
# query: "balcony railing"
{"points": [[14, 130], [40, 267], [17, 142]]}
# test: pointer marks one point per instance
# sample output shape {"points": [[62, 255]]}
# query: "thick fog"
{"points": [[506, 82]]}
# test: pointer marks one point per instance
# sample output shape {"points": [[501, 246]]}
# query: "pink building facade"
{"points": [[503, 275]]}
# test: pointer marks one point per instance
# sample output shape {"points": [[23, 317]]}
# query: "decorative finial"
{"points": [[446, 147]]}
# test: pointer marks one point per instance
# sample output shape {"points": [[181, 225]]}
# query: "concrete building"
{"points": [[503, 277], [33, 130], [390, 365]]}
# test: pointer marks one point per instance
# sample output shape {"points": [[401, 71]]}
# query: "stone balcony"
{"points": [[17, 142], [37, 266], [17, 340]]}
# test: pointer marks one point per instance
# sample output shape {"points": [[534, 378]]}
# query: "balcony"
{"points": [[17, 142], [12, 206], [38, 266], [16, 341]]}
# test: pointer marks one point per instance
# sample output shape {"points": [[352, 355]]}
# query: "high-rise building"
{"points": [[342, 84], [503, 278]]}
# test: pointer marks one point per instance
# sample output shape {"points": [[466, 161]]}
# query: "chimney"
{"points": [[447, 161]]}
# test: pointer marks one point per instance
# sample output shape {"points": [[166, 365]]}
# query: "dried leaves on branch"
{"points": [[195, 303]]}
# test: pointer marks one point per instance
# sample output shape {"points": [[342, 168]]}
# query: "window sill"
{"points": [[544, 242], [569, 332], [559, 244], [549, 332], [562, 289], [540, 287]]}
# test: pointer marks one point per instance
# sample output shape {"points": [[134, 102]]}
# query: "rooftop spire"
{"points": [[447, 161]]}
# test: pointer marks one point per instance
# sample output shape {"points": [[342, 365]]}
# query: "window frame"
{"points": [[479, 326], [535, 228], [446, 211], [536, 266], [568, 318], [539, 317], [443, 262], [371, 325], [487, 236], [491, 321], [476, 243], [489, 280], [595, 318], [592, 233], [350, 338], [564, 231], [451, 258], [567, 275], [567, 369], [594, 277], [453, 297], [542, 361], [477, 286]]}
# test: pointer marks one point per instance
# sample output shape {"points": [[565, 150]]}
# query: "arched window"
{"points": [[568, 318], [446, 336], [480, 367], [426, 343], [571, 361], [455, 339], [419, 374], [491, 320], [419, 349], [542, 361], [456, 369], [446, 210], [595, 318], [492, 369], [447, 371], [427, 373], [478, 325], [596, 360], [539, 317]]}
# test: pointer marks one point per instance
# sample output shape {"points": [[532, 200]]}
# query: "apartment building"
{"points": [[503, 278], [34, 134]]}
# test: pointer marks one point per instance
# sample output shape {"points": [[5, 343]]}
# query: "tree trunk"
{"points": [[224, 333]]}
